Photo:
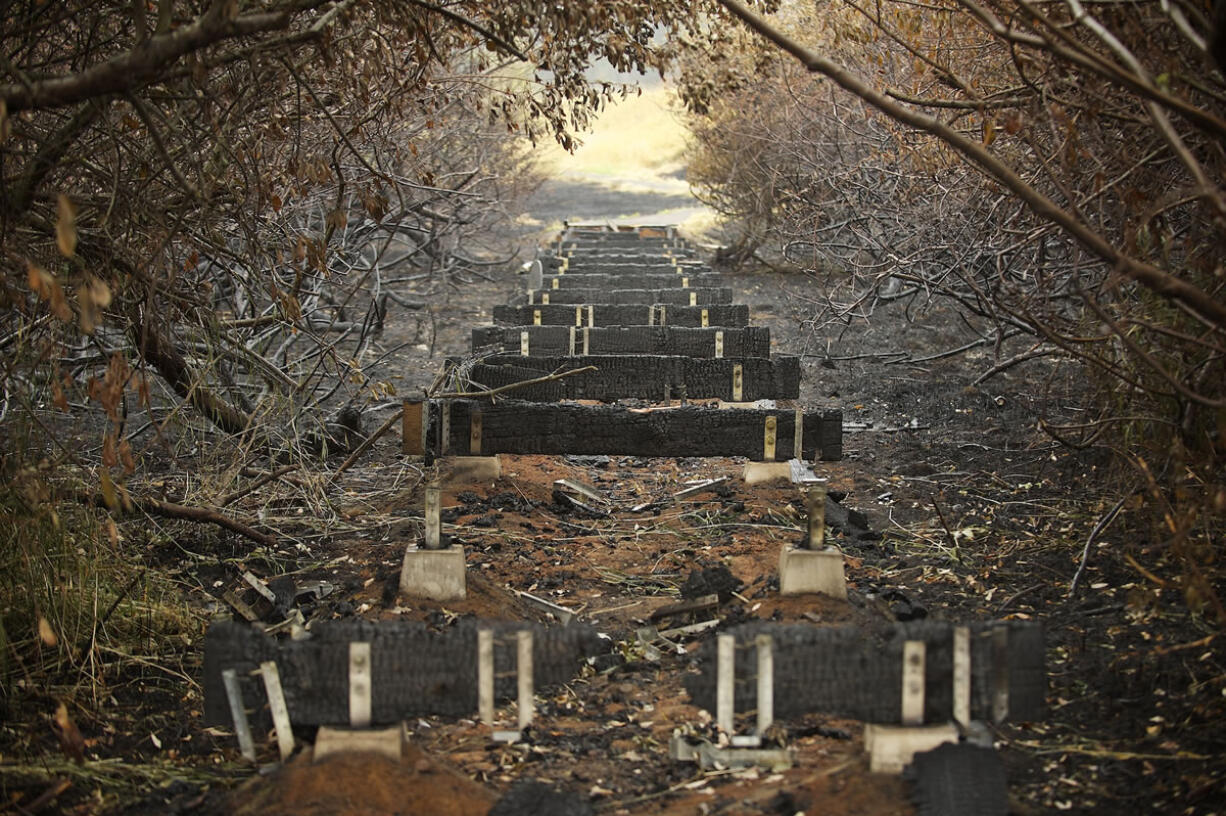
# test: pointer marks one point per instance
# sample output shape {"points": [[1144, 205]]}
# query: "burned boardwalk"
{"points": [[583, 334], [598, 377]]}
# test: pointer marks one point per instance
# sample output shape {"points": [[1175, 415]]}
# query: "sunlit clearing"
{"points": [[636, 143]]}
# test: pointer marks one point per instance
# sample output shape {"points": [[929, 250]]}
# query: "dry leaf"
{"points": [[39, 280], [45, 633], [44, 284], [99, 292], [71, 741], [108, 490], [109, 459], [58, 397], [66, 227], [336, 219]]}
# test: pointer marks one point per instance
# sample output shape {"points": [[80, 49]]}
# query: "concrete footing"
{"points": [[805, 571], [891, 747], [710, 756], [766, 472], [437, 575], [385, 742], [469, 469]]}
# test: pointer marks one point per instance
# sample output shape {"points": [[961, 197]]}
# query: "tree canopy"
{"points": [[1054, 169]]}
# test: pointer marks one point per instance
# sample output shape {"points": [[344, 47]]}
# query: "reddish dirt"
{"points": [[363, 784]]}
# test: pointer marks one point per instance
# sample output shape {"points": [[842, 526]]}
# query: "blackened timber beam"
{"points": [[555, 341], [617, 239], [512, 426], [642, 376], [661, 266], [414, 671], [622, 256], [694, 296], [630, 280], [587, 249], [851, 672], [613, 314]]}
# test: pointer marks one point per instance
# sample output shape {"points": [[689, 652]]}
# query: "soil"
{"points": [[976, 513]]}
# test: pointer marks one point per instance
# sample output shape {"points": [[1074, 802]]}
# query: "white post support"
{"points": [[444, 432], [913, 655], [276, 705], [769, 434], [434, 527], [725, 683], [571, 342], [719, 343], [738, 382], [766, 683], [1000, 673], [815, 499], [523, 666], [474, 433], [523, 343], [242, 728], [359, 685], [798, 435], [485, 676], [962, 675]]}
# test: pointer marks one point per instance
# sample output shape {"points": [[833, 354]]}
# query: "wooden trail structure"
{"points": [[609, 316], [607, 373]]}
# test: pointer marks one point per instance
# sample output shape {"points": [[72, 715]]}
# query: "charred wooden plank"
{"points": [[658, 266], [642, 376], [415, 671], [699, 296], [514, 426], [846, 671], [630, 279], [614, 314], [554, 341]]}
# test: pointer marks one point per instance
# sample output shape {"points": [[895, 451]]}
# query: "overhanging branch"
{"points": [[1153, 278]]}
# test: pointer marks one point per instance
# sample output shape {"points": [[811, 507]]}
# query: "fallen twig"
{"points": [[257, 484], [1098, 528], [949, 534], [1012, 361], [557, 375], [88, 644], [1105, 753], [366, 443], [157, 507]]}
